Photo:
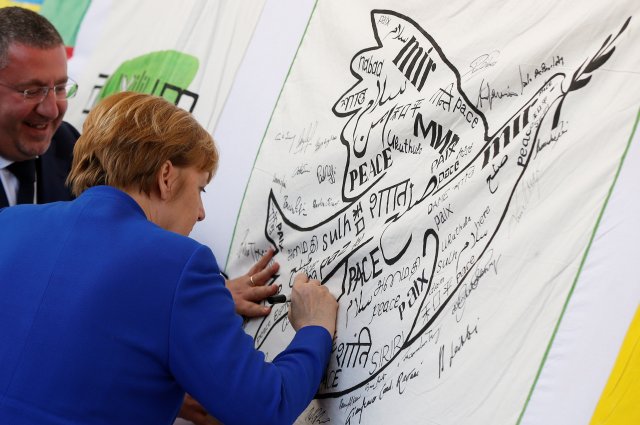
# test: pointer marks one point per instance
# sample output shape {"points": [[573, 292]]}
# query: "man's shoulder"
{"points": [[55, 164], [62, 143], [65, 139]]}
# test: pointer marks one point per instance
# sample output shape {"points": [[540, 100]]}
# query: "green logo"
{"points": [[167, 73]]}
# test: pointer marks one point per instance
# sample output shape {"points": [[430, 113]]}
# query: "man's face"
{"points": [[26, 127]]}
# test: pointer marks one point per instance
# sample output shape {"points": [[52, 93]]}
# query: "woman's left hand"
{"points": [[192, 411], [250, 289]]}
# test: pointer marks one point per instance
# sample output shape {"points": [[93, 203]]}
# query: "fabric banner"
{"points": [[67, 17], [619, 402], [445, 184], [35, 5], [187, 52], [459, 327]]}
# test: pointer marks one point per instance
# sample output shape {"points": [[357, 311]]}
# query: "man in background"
{"points": [[36, 147]]}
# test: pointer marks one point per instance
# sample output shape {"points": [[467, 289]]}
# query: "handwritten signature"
{"points": [[483, 61]]}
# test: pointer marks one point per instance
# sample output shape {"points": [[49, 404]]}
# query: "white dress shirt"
{"points": [[9, 181]]}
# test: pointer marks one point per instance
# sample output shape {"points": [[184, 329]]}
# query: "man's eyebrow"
{"points": [[40, 83]]}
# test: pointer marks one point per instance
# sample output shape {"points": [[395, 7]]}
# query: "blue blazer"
{"points": [[105, 318]]}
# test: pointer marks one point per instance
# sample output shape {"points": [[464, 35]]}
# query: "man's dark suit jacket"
{"points": [[53, 167]]}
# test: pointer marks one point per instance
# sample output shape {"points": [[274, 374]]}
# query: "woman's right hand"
{"points": [[312, 305]]}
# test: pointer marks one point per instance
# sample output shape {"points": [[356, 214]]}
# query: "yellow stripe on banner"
{"points": [[620, 400], [26, 5]]}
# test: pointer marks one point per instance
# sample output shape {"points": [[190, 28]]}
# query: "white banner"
{"points": [[187, 52], [445, 184]]}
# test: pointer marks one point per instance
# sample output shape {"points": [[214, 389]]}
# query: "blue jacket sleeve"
{"points": [[215, 361]]}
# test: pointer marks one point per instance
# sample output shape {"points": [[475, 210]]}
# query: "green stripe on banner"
{"points": [[582, 262], [233, 234], [66, 16]]}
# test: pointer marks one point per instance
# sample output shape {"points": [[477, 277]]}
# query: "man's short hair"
{"points": [[23, 26], [127, 137]]}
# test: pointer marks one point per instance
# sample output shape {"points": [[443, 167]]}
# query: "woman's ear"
{"points": [[167, 180]]}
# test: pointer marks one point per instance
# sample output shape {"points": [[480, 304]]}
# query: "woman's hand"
{"points": [[192, 411], [250, 289]]}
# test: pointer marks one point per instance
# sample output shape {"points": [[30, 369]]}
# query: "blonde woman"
{"points": [[109, 313]]}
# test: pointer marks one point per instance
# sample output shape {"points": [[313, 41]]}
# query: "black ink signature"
{"points": [[483, 61]]}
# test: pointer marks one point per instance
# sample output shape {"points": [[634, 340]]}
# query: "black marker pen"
{"points": [[278, 299]]}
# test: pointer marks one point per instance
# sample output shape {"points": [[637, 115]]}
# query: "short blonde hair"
{"points": [[128, 136]]}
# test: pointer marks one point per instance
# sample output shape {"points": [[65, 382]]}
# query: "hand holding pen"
{"points": [[311, 305]]}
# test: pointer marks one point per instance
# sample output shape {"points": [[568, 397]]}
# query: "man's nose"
{"points": [[49, 106]]}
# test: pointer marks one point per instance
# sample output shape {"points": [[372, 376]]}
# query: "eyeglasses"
{"points": [[38, 94]]}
